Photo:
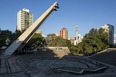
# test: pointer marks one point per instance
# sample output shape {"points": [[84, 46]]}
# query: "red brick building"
{"points": [[64, 33]]}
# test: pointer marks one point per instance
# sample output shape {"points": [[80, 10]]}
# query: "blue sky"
{"points": [[86, 14]]}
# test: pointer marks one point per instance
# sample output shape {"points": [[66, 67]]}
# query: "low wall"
{"points": [[54, 51]]}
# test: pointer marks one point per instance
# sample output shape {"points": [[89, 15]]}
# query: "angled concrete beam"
{"points": [[26, 36]]}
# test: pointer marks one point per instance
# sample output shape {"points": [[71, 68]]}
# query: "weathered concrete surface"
{"points": [[53, 51], [38, 66], [108, 56]]}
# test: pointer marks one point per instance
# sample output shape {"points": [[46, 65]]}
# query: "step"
{"points": [[14, 66], [3, 66], [3, 70]]}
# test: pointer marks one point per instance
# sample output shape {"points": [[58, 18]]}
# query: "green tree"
{"points": [[92, 32], [102, 35], [3, 36], [58, 42], [36, 39], [99, 33], [95, 41], [68, 43], [73, 49], [15, 35]]}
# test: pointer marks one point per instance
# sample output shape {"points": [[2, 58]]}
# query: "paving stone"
{"points": [[3, 65], [18, 68], [12, 66], [36, 66], [3, 70]]}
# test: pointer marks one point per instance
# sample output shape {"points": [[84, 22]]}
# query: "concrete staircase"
{"points": [[42, 66], [108, 57], [9, 65], [16, 64]]}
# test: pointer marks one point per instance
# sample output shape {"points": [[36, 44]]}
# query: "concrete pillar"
{"points": [[19, 43]]}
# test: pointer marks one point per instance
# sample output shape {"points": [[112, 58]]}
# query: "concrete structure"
{"points": [[110, 30], [53, 51], [50, 66], [115, 39], [24, 19], [56, 34], [64, 33], [71, 40], [43, 35], [78, 37], [76, 41], [19, 43], [40, 32]]}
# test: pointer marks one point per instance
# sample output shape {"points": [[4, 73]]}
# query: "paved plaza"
{"points": [[38, 66]]}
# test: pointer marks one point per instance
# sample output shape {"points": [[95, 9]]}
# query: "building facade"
{"points": [[56, 34], [71, 40], [64, 33], [78, 37], [39, 31], [110, 30], [24, 19], [114, 39]]}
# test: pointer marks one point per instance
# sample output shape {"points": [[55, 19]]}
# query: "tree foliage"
{"points": [[4, 34], [95, 41], [37, 40], [59, 42], [15, 35]]}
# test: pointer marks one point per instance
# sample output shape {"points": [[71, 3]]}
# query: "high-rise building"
{"points": [[24, 19], [110, 30], [114, 39], [64, 33]]}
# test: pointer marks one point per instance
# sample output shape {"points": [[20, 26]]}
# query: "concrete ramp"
{"points": [[108, 56], [19, 43], [53, 51]]}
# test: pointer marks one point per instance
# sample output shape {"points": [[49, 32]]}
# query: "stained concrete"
{"points": [[38, 66]]}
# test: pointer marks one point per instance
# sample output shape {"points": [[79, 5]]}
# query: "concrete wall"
{"points": [[54, 51]]}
